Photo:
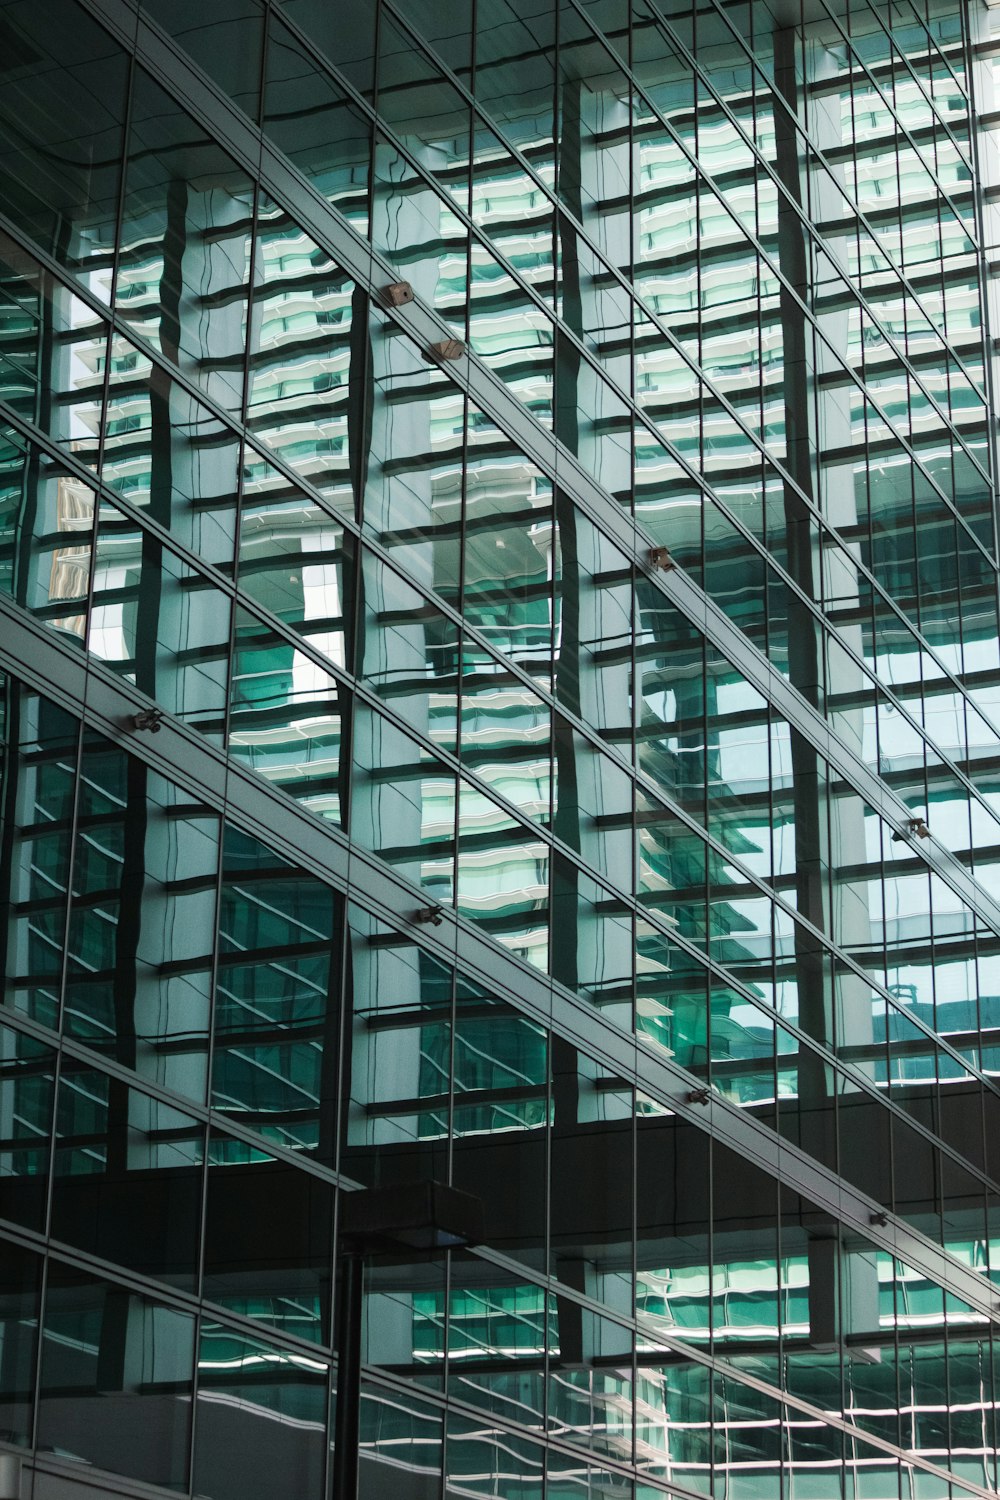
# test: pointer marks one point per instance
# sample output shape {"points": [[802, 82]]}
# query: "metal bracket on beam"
{"points": [[428, 916], [445, 350], [150, 719], [397, 294], [916, 828]]}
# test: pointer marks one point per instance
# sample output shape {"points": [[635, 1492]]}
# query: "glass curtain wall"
{"points": [[573, 767]]}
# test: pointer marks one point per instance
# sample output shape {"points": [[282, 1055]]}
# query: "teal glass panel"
{"points": [[27, 1092], [278, 965], [594, 650], [592, 941], [506, 737], [261, 1416], [593, 806], [60, 178], [591, 1382], [226, 41], [502, 1115], [268, 1239], [491, 1462], [403, 804], [20, 1309], [509, 558], [673, 1224], [40, 771], [571, 1479], [53, 353], [48, 524], [403, 1324], [497, 1335], [286, 718], [185, 235], [410, 653], [675, 1436], [399, 1430], [159, 623], [295, 559], [298, 398], [311, 118], [128, 1172], [400, 1056], [347, 38], [413, 497], [116, 1378], [503, 876], [168, 455]]}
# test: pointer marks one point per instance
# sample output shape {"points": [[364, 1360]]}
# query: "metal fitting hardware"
{"points": [[148, 718], [916, 828], [429, 916], [397, 294], [446, 349]]}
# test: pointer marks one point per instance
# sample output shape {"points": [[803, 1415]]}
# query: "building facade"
{"points": [[539, 734]]}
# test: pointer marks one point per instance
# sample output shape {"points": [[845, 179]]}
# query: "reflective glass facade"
{"points": [[564, 763]]}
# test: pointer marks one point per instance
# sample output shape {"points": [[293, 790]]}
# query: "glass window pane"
{"points": [[60, 177], [185, 244], [117, 1378], [261, 1417]]}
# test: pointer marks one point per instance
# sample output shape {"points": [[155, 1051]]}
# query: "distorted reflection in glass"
{"points": [[498, 1329], [298, 397], [274, 1025], [400, 1056], [48, 524], [141, 1161], [160, 623], [399, 1432], [503, 876], [506, 736], [413, 500], [60, 179], [296, 559], [165, 452], [410, 653], [403, 804], [285, 717], [185, 238], [116, 1378], [261, 1416], [53, 350], [268, 1239], [27, 1091], [39, 775], [311, 118]]}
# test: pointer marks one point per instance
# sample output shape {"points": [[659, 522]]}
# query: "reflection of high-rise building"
{"points": [[650, 647]]}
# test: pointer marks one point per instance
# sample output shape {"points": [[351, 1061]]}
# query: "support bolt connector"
{"points": [[397, 294], [446, 349], [148, 718], [429, 916]]}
